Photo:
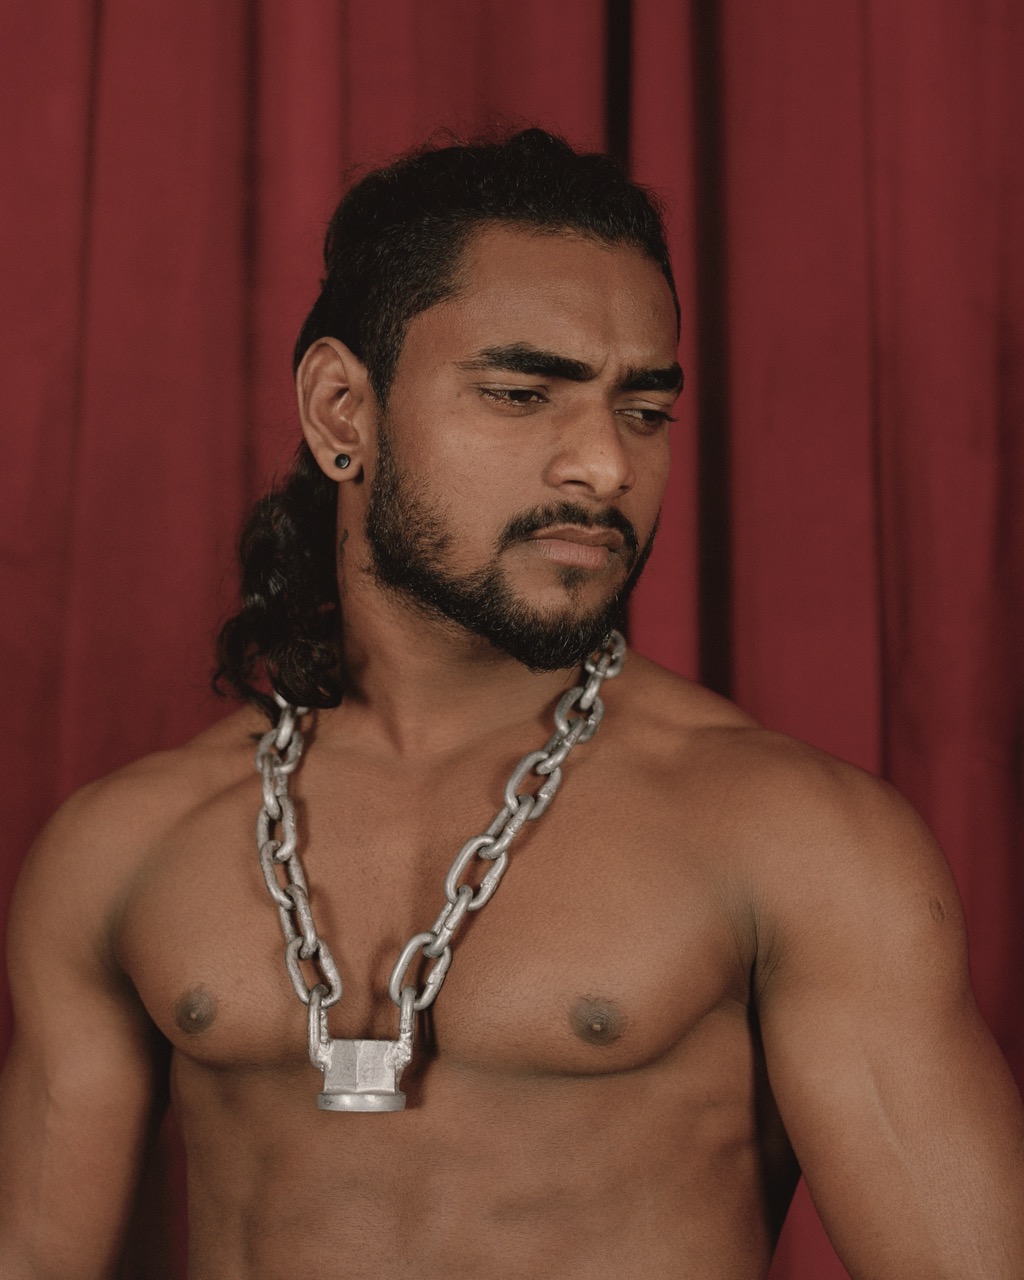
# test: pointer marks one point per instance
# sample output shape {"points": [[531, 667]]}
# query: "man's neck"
{"points": [[419, 685]]}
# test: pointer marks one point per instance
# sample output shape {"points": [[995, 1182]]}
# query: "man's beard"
{"points": [[409, 543]]}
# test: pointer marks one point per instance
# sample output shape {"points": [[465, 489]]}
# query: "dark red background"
{"points": [[842, 548]]}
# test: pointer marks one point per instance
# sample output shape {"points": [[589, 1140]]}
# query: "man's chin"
{"points": [[568, 593], [550, 641]]}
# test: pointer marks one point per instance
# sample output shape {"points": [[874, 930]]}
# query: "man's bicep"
{"points": [[78, 1090], [896, 1100]]}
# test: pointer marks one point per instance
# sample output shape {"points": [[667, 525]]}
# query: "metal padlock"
{"points": [[363, 1075]]}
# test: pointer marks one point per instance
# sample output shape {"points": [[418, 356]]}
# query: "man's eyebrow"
{"points": [[667, 378], [520, 357]]}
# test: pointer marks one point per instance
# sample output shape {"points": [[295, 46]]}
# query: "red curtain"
{"points": [[841, 548]]}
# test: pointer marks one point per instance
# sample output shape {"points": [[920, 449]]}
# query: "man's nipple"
{"points": [[597, 1020], [195, 1011]]}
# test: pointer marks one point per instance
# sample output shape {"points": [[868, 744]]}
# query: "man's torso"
{"points": [[587, 1095]]}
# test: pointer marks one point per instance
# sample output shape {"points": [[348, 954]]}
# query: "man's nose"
{"points": [[591, 458]]}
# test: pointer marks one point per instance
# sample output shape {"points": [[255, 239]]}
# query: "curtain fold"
{"points": [[841, 548]]}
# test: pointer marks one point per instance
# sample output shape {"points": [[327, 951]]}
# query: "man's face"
{"points": [[524, 452]]}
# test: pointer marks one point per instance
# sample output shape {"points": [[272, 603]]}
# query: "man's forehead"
{"points": [[558, 292], [495, 250]]}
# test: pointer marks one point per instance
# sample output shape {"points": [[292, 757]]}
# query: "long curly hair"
{"points": [[392, 250]]}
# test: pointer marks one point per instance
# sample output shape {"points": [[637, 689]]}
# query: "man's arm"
{"points": [[82, 1083], [903, 1114]]}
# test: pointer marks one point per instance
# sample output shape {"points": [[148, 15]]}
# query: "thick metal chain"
{"points": [[577, 717]]}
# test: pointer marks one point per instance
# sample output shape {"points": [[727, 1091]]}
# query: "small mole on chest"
{"points": [[195, 1011], [597, 1021]]}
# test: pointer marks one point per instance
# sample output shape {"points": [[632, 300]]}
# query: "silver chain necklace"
{"points": [[363, 1075]]}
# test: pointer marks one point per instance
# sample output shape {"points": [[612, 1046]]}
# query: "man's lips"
{"points": [[588, 536], [577, 546]]}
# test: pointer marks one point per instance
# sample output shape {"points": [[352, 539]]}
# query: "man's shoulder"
{"points": [[669, 712], [103, 829], [167, 784], [780, 799]]}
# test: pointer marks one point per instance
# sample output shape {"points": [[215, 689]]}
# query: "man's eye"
{"points": [[515, 396], [649, 418]]}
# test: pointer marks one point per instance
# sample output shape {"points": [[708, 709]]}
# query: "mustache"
{"points": [[521, 527]]}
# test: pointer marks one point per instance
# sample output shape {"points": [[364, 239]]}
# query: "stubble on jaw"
{"points": [[410, 541]]}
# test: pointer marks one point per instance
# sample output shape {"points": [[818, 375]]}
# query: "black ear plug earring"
{"points": [[342, 461]]}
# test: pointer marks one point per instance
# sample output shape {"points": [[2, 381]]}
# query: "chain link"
{"points": [[577, 717], [277, 757]]}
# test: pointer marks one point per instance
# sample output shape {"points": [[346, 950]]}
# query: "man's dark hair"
{"points": [[392, 250]]}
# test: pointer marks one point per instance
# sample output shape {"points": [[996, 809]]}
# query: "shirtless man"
{"points": [[716, 957]]}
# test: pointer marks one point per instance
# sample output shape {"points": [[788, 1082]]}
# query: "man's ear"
{"points": [[337, 407]]}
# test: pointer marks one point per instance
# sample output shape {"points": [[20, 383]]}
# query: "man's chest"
{"points": [[605, 944]]}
